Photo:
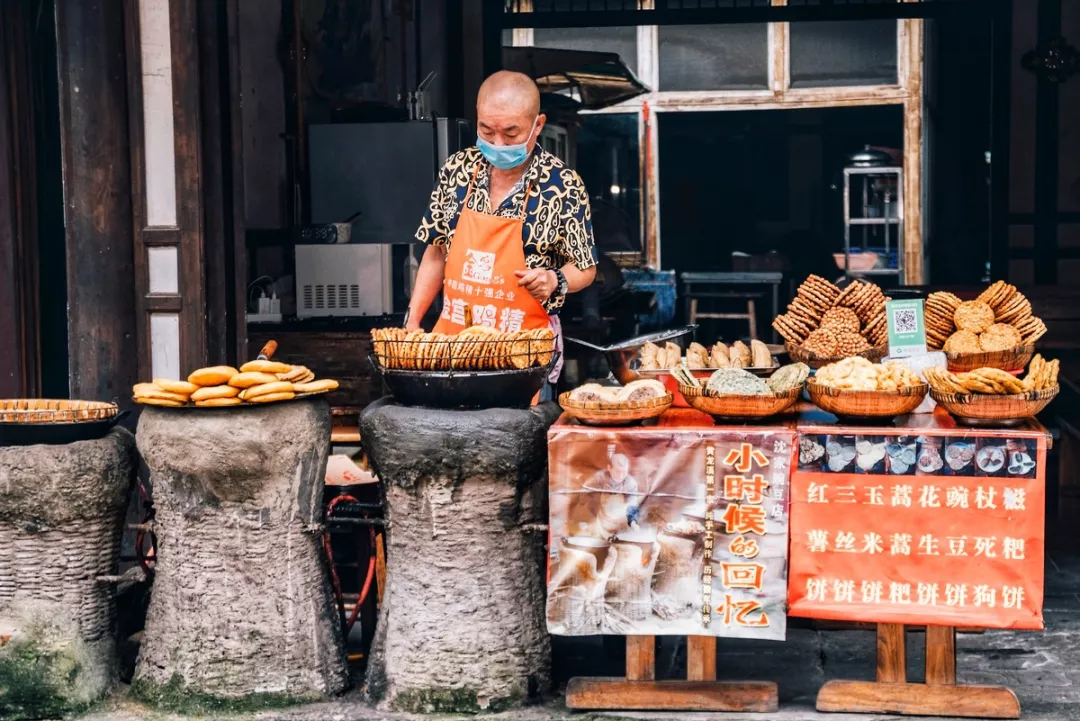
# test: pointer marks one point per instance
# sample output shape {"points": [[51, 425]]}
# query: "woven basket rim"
{"points": [[39, 411], [794, 350], [1015, 351], [990, 398], [906, 391], [702, 392], [568, 404]]}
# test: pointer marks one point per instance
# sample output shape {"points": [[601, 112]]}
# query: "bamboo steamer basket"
{"points": [[977, 409], [866, 404], [38, 410], [740, 407], [615, 413], [798, 354], [1011, 360]]}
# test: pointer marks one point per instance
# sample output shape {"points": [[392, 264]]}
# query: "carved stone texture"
{"points": [[61, 515], [462, 624], [241, 604]]}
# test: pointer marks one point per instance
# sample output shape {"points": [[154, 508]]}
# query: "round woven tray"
{"points": [[1001, 410], [740, 407], [799, 354], [612, 413], [1008, 360], [40, 410], [866, 404]]}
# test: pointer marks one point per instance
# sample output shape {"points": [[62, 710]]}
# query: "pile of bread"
{"points": [[1042, 375], [642, 390], [859, 374], [259, 381], [738, 355], [1000, 319], [477, 348], [834, 323]]}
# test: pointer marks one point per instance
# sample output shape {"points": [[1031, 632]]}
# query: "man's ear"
{"points": [[541, 121]]}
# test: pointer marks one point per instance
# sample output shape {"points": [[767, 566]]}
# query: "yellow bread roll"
{"points": [[267, 388], [149, 390], [326, 384], [205, 394], [145, 388], [265, 366], [158, 402], [215, 376], [246, 379], [218, 402], [182, 387], [271, 397]]}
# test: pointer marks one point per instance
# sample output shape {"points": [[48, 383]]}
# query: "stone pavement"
{"points": [[1042, 668]]}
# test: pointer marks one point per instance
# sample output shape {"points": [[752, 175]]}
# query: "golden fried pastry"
{"points": [[266, 389], [246, 379], [182, 387], [963, 341], [760, 357], [821, 342], [271, 397], [214, 376], [841, 320], [720, 357], [1000, 337], [741, 357], [697, 356], [159, 402], [151, 391], [973, 315], [205, 394], [265, 366], [219, 402]]}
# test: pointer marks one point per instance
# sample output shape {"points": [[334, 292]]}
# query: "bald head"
{"points": [[508, 110]]}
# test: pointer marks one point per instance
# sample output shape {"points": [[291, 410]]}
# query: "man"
{"points": [[619, 497], [508, 229]]}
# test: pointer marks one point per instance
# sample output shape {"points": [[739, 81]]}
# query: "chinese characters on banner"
{"points": [[634, 549], [919, 529]]}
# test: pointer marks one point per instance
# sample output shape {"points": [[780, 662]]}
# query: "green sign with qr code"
{"points": [[907, 332]]}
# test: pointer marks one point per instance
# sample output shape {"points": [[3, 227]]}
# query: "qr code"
{"points": [[904, 320]]}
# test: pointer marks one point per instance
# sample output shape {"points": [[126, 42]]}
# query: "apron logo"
{"points": [[479, 266]]}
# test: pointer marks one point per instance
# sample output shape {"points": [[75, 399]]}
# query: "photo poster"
{"points": [[947, 530], [633, 550]]}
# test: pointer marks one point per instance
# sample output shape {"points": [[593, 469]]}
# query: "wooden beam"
{"points": [[916, 699], [614, 694], [940, 656], [640, 658], [891, 655], [94, 139], [701, 658]]}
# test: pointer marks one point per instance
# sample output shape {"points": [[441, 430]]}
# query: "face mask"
{"points": [[505, 157]]}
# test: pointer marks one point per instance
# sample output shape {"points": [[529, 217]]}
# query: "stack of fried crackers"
{"points": [[1042, 374], [258, 381], [831, 323], [1000, 319], [477, 348]]}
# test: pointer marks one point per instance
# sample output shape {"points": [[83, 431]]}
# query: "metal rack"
{"points": [[890, 197]]}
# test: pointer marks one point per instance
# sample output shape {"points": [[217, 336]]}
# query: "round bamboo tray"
{"points": [[1007, 360], [866, 404], [39, 410], [615, 413], [739, 407], [798, 354], [992, 410]]}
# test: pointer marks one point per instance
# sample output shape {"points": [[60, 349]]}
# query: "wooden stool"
{"points": [[750, 315], [746, 287]]}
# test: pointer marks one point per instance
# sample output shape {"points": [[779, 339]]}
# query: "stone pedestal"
{"points": [[241, 604], [61, 515], [462, 625]]}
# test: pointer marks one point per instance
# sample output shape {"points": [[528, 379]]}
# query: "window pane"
{"points": [[714, 57], [831, 54], [607, 160], [621, 40]]}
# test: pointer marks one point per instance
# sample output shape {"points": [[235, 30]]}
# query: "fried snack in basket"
{"points": [[849, 344], [973, 315], [841, 320], [963, 341], [1010, 384], [265, 366], [171, 386], [944, 381], [1042, 374], [205, 394], [213, 376], [760, 355], [821, 342], [1000, 337]]}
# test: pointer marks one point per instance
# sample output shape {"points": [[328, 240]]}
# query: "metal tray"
{"points": [[465, 389]]}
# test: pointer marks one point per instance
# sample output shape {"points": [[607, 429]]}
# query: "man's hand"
{"points": [[540, 282]]}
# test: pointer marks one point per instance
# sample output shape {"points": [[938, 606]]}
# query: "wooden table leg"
{"points": [[891, 654], [939, 696], [641, 658], [940, 656], [701, 658]]}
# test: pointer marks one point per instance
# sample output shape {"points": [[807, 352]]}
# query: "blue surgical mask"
{"points": [[506, 157]]}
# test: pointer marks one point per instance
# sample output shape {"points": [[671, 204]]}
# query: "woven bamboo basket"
{"points": [[615, 413], [40, 410], [977, 408], [866, 404], [799, 354], [1008, 360], [740, 407]]}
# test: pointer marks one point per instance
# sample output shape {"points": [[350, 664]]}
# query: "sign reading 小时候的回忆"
{"points": [[907, 330]]}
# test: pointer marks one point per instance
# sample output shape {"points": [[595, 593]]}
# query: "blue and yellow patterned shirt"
{"points": [[558, 222]]}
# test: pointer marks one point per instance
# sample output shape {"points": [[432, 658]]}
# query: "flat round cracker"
{"points": [[160, 395], [219, 402], [246, 379], [172, 386], [267, 389], [973, 315], [265, 366], [272, 397], [319, 386], [205, 394], [143, 400]]}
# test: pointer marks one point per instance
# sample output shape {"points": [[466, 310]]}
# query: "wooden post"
{"points": [[641, 658], [939, 696], [701, 658]]}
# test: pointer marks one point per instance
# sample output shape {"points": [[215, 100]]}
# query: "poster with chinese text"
{"points": [[941, 529], [634, 549]]}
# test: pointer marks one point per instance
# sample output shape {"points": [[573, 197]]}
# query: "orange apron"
{"points": [[479, 286]]}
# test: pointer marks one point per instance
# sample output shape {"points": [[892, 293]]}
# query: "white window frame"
{"points": [[906, 92]]}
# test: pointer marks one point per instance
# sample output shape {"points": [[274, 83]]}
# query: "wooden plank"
{"points": [[640, 658], [891, 659], [912, 36], [380, 567], [940, 656], [102, 352], [342, 356], [701, 658], [615, 694], [914, 699]]}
